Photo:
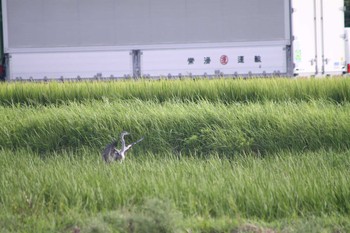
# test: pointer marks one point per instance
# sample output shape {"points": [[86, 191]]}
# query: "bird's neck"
{"points": [[123, 142]]}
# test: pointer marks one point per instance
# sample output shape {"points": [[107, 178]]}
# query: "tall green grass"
{"points": [[178, 127], [284, 185], [222, 90], [215, 153]]}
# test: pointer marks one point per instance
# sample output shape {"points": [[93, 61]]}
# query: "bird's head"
{"points": [[124, 133]]}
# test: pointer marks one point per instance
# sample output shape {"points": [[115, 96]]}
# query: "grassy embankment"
{"points": [[218, 156]]}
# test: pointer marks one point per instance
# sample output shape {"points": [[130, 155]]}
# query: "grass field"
{"points": [[225, 155], [228, 90]]}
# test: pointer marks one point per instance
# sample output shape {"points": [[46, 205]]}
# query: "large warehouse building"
{"points": [[62, 39]]}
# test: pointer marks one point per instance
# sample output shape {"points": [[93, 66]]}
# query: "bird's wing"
{"points": [[136, 141], [108, 152], [129, 146], [139, 140]]}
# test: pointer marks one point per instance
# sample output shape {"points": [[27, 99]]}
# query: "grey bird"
{"points": [[111, 153]]}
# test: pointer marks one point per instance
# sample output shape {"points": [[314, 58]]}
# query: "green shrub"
{"points": [[154, 216]]}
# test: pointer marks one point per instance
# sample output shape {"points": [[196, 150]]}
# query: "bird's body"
{"points": [[111, 153]]}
